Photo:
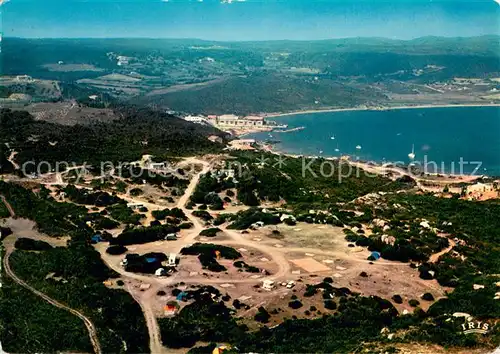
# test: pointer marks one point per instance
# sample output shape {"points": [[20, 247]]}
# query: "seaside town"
{"points": [[236, 125]]}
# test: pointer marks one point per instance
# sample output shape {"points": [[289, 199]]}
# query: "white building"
{"points": [[197, 120], [235, 121], [135, 206], [254, 120], [242, 142], [227, 119], [24, 78], [228, 172], [480, 187]]}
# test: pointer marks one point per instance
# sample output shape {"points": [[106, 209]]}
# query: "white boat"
{"points": [[332, 137], [320, 151], [358, 147], [337, 148], [411, 155]]}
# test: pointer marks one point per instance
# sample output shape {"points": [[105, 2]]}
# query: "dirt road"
{"points": [[12, 160], [8, 206], [155, 342], [434, 258], [88, 323], [8, 251]]}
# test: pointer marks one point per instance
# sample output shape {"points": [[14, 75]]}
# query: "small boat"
{"points": [[358, 147], [332, 137], [337, 148], [411, 155], [320, 151]]}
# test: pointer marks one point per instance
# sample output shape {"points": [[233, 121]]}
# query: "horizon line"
{"points": [[257, 40]]}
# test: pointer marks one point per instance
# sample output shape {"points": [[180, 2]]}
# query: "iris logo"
{"points": [[475, 327]]}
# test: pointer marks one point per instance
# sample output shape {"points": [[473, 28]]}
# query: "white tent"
{"points": [[172, 260], [159, 272]]}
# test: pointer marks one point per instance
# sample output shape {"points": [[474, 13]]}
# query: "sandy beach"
{"points": [[271, 115], [380, 168]]}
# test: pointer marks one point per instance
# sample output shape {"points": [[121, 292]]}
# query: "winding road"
{"points": [[277, 255], [88, 323], [8, 270], [155, 342]]}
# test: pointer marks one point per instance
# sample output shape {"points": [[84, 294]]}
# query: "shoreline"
{"points": [[423, 106], [370, 166]]}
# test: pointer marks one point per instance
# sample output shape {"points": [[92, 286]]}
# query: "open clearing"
{"points": [[310, 265], [304, 235]]}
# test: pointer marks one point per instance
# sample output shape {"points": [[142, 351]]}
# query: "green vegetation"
{"points": [[245, 218], [147, 263], [475, 223], [142, 234], [115, 314], [211, 232], [203, 320], [115, 141], [174, 212], [202, 214], [207, 254], [28, 244], [116, 250], [29, 324], [82, 196], [207, 189], [282, 75], [304, 191], [246, 267], [77, 281], [210, 249], [52, 218], [123, 214]]}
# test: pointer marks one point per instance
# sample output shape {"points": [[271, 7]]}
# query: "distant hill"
{"points": [[243, 77]]}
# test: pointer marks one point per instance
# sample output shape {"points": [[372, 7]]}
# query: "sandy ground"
{"points": [[27, 228]]}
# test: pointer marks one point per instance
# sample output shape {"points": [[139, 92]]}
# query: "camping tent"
{"points": [[375, 255], [96, 239], [159, 272], [221, 349]]}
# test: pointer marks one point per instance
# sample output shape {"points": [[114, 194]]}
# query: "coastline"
{"points": [[388, 108], [380, 168]]}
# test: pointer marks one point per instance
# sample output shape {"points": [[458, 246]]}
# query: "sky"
{"points": [[233, 20]]}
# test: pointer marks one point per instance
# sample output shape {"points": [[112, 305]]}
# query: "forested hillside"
{"points": [[137, 132]]}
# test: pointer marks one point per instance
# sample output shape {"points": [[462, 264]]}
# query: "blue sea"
{"points": [[450, 137]]}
